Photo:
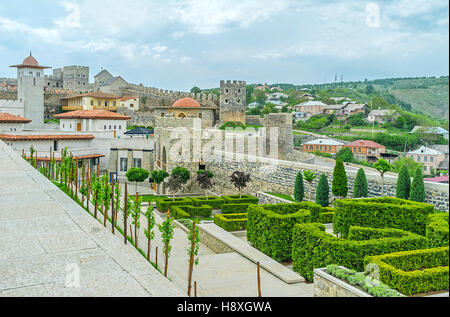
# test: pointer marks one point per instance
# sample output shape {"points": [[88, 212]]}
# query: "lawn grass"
{"points": [[283, 196], [150, 197]]}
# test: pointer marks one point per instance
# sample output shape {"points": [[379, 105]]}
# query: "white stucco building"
{"points": [[93, 120]]}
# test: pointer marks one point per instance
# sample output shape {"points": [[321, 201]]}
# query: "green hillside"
{"points": [[426, 95]]}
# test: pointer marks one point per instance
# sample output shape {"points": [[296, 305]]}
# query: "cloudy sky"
{"points": [[176, 44]]}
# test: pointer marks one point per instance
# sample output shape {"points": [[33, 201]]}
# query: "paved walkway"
{"points": [[224, 275], [50, 246]]}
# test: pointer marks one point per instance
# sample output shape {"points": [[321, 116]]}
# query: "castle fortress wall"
{"points": [[280, 178]]}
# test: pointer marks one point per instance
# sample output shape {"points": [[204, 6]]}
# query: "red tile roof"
{"points": [[364, 143], [438, 179], [94, 95], [81, 157], [186, 103], [92, 114], [128, 98], [34, 137], [10, 118]]}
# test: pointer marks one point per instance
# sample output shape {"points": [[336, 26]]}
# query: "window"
{"points": [[239, 100], [359, 150], [418, 158], [431, 159], [162, 115], [123, 164], [226, 100], [110, 127], [200, 115], [99, 103], [120, 127], [114, 127], [131, 105], [137, 162], [226, 90], [104, 127], [92, 102], [425, 158], [239, 90]]}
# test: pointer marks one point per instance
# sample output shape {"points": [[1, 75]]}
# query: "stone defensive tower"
{"points": [[30, 91], [232, 101], [283, 123]]}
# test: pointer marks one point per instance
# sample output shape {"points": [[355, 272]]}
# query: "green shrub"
{"points": [[165, 203], [359, 278], [326, 217], [403, 183], [299, 188], [213, 201], [188, 211], [231, 222], [437, 230], [383, 212], [412, 272], [323, 191], [269, 227], [339, 184], [417, 192], [245, 199], [313, 248], [234, 208], [360, 188]]}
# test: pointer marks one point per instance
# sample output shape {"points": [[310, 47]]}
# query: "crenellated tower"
{"points": [[232, 101]]}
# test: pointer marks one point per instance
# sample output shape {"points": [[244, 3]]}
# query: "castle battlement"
{"points": [[170, 93]]}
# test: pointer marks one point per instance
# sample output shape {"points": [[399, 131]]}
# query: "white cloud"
{"points": [[159, 48], [268, 55], [185, 59], [72, 20]]}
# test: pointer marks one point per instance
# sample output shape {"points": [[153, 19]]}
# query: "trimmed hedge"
{"points": [[164, 204], [234, 208], [326, 217], [313, 248], [213, 201], [188, 211], [231, 222], [412, 272], [269, 227], [245, 199], [437, 230], [384, 212]]}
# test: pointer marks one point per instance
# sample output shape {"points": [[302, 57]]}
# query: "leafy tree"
{"points": [[149, 234], [255, 111], [249, 94], [105, 196], [299, 190], [403, 183], [309, 177], [378, 102], [182, 173], [175, 184], [360, 188], [137, 174], [196, 90], [417, 192], [204, 180], [339, 183], [260, 97], [194, 246], [369, 89], [345, 154], [382, 166], [166, 229], [136, 203], [356, 120], [239, 180], [322, 191], [159, 176]]}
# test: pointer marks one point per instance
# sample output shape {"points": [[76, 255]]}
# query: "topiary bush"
{"points": [[437, 230], [165, 203], [299, 188], [313, 248], [412, 272], [323, 191], [383, 212], [231, 222], [213, 201], [360, 188], [403, 183], [269, 229], [417, 192], [339, 186], [234, 208], [244, 199], [188, 211]]}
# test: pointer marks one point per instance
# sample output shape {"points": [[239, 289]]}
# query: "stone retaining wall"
{"points": [[265, 198], [280, 178], [326, 285]]}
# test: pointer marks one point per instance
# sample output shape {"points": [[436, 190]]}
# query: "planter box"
{"points": [[326, 285]]}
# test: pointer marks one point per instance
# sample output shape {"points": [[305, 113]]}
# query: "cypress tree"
{"points": [[417, 192], [339, 184], [360, 186], [322, 191], [299, 189], [403, 183]]}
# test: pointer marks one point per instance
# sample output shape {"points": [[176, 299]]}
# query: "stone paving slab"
{"points": [[252, 254], [48, 239]]}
